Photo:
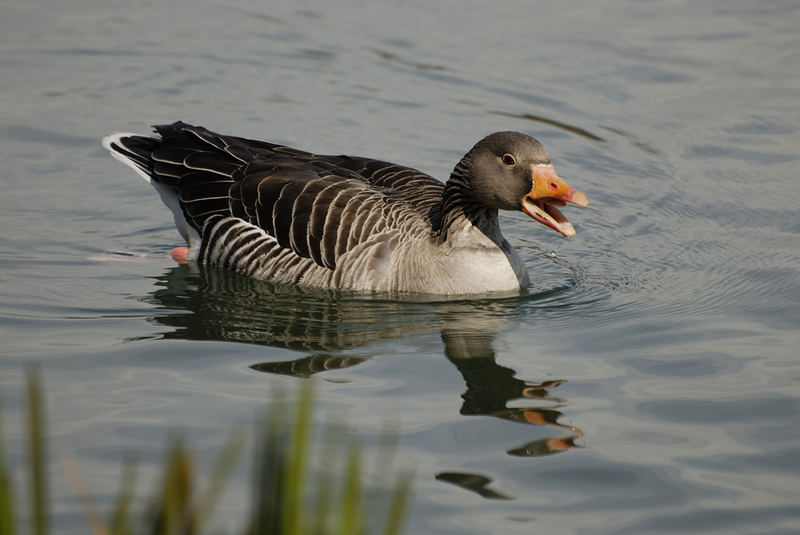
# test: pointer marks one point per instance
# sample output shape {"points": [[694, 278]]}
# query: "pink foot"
{"points": [[180, 254]]}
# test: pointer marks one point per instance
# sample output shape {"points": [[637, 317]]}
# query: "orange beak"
{"points": [[549, 191]]}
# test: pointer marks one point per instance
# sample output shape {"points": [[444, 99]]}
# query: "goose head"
{"points": [[512, 171]]}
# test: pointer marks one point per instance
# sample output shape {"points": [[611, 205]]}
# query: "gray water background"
{"points": [[649, 382]]}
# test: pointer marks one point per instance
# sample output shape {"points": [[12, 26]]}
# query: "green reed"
{"points": [[281, 486]]}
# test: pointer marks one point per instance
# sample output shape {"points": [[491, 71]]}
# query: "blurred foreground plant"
{"points": [[281, 502]]}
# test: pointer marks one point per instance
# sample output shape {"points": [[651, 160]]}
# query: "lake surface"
{"points": [[648, 381]]}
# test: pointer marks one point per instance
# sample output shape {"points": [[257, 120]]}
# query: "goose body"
{"points": [[340, 222]]}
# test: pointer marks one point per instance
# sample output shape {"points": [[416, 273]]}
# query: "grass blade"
{"points": [[172, 509], [270, 463], [397, 510], [120, 518], [7, 518], [36, 456], [351, 502], [295, 475], [322, 512]]}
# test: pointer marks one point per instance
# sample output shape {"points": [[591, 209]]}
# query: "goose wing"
{"points": [[318, 206]]}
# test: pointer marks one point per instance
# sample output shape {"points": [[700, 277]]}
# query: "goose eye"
{"points": [[508, 159]]}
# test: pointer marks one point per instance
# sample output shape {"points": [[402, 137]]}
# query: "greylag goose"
{"points": [[340, 222]]}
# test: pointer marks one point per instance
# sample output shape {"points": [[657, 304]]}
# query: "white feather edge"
{"points": [[117, 138], [168, 196]]}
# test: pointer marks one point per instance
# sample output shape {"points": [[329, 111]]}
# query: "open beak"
{"points": [[549, 191]]}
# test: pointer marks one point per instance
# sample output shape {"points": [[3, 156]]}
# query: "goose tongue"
{"points": [[549, 191]]}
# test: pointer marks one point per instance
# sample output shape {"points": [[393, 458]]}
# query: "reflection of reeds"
{"points": [[280, 505]]}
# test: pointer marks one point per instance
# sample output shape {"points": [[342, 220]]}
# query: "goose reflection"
{"points": [[202, 302], [492, 387]]}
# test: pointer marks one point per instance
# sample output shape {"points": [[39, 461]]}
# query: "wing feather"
{"points": [[282, 212], [316, 225], [316, 207], [301, 217]]}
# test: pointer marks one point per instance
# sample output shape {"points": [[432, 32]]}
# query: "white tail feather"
{"points": [[116, 139], [168, 195]]}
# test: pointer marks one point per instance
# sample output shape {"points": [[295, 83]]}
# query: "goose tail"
{"points": [[136, 152]]}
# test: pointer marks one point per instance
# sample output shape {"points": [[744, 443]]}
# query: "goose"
{"points": [[280, 214]]}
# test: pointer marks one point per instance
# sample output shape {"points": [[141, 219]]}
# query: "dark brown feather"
{"points": [[317, 206]]}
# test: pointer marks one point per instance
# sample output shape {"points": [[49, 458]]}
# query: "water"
{"points": [[649, 381]]}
